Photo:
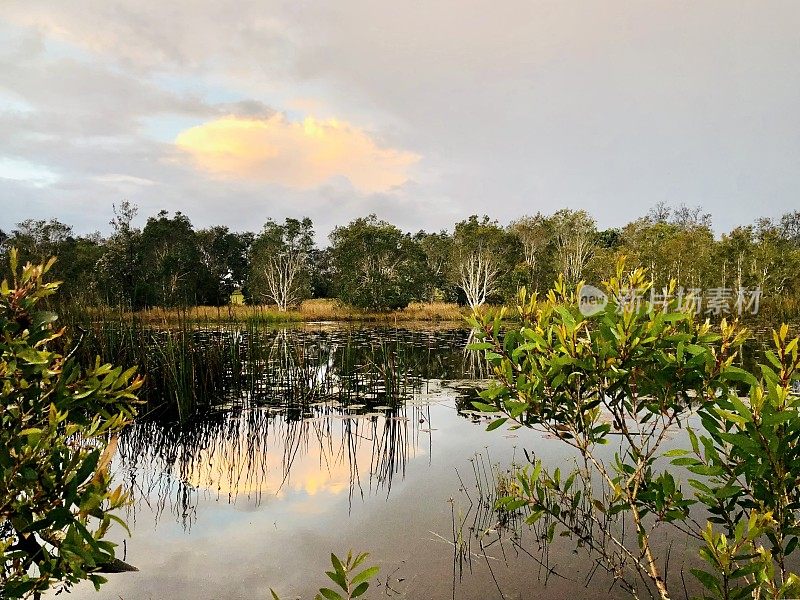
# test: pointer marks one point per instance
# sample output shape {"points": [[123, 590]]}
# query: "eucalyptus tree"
{"points": [[78, 267], [437, 248], [689, 252], [483, 255], [321, 276], [690, 217], [790, 227], [644, 241], [676, 245], [224, 261], [37, 240], [608, 249], [575, 238], [376, 265], [735, 257], [280, 266], [536, 239], [774, 264], [171, 258], [119, 268]]}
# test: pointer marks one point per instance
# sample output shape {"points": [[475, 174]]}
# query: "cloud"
{"points": [[301, 155], [605, 105]]}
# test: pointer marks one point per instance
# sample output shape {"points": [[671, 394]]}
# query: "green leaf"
{"points": [[738, 374], [329, 594], [707, 579], [365, 575], [87, 467], [680, 462], [791, 546], [338, 578], [676, 452], [496, 423], [477, 346]]}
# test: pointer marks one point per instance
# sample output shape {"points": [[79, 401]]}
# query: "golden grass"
{"points": [[320, 309]]}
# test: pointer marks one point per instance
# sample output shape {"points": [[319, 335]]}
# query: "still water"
{"points": [[356, 439]]}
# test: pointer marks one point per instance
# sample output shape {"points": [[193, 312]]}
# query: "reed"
{"points": [[192, 364]]}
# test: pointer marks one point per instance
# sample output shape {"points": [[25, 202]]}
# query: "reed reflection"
{"points": [[248, 454], [310, 414]]}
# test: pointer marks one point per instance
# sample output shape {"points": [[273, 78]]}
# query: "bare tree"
{"points": [[281, 273], [480, 257], [280, 262], [477, 273]]}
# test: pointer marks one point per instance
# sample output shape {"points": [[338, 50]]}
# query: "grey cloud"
{"points": [[517, 107]]}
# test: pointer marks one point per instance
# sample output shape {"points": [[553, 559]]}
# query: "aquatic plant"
{"points": [[191, 366], [352, 586]]}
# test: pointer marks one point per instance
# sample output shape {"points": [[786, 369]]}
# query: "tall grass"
{"points": [[321, 309]]}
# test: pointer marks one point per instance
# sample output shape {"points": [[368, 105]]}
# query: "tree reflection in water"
{"points": [[304, 413]]}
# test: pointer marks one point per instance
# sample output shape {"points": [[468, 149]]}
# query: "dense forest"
{"points": [[371, 264]]}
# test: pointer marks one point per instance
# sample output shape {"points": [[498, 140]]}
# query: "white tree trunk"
{"points": [[281, 274], [477, 276]]}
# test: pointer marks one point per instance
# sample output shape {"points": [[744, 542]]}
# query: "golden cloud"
{"points": [[302, 155]]}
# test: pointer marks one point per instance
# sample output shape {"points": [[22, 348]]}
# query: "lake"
{"points": [[334, 438]]}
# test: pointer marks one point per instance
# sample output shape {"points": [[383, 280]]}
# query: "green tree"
{"points": [[171, 257], [774, 262], [790, 227], [676, 245], [321, 273], [56, 499], [280, 262], [37, 240], [483, 258], [575, 239], [120, 267], [377, 266], [224, 263], [535, 237], [438, 250], [735, 252]]}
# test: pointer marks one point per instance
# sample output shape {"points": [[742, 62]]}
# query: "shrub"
{"points": [[637, 372], [57, 502]]}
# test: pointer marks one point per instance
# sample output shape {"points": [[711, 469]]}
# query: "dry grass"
{"points": [[310, 310]]}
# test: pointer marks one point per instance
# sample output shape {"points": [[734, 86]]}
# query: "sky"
{"points": [[421, 112]]}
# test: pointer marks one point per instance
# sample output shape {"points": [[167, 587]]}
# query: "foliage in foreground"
{"points": [[632, 376], [56, 503], [352, 586]]}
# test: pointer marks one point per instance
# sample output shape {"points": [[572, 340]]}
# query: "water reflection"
{"points": [[329, 439], [247, 453], [293, 366], [298, 410]]}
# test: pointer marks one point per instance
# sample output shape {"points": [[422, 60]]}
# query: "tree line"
{"points": [[372, 264]]}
